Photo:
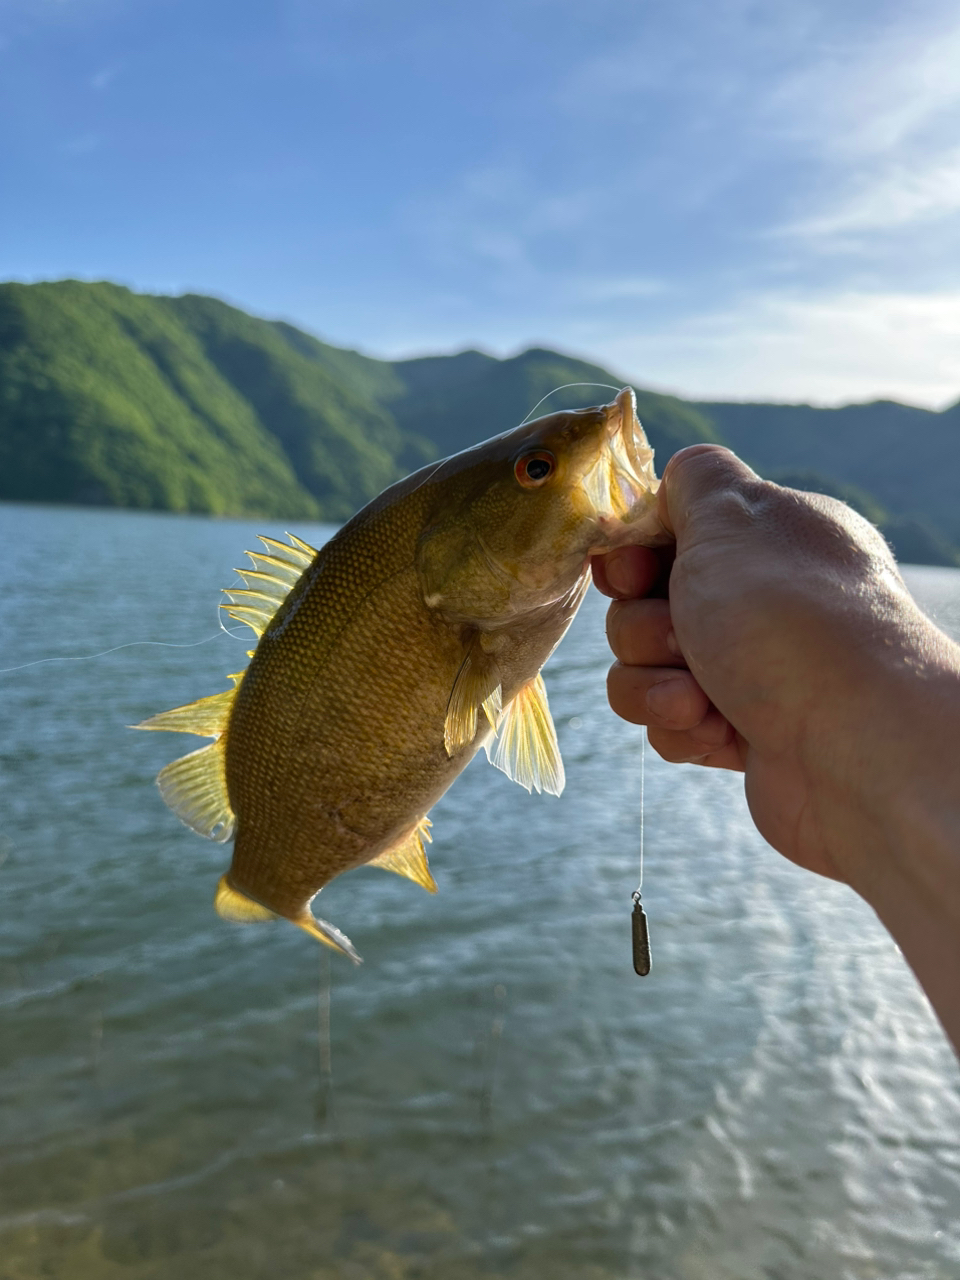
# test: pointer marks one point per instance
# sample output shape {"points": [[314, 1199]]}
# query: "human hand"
{"points": [[789, 649]]}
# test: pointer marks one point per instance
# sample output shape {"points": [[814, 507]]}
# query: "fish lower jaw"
{"points": [[639, 529]]}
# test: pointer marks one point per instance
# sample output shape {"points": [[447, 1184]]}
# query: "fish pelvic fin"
{"points": [[526, 747], [327, 933], [409, 858], [477, 686]]}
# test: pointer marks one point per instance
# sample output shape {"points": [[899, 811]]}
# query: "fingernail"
{"points": [[672, 643], [669, 699], [618, 573]]}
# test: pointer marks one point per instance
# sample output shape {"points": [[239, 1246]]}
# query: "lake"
{"points": [[494, 1093]]}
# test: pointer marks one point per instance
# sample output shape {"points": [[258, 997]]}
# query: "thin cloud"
{"points": [[830, 348], [880, 123], [868, 99], [104, 78], [901, 194], [496, 215]]}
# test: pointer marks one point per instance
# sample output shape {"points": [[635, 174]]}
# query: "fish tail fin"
{"points": [[328, 934], [231, 904]]}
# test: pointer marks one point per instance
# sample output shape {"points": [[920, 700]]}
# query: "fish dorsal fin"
{"points": [[195, 788], [477, 685], [526, 747], [409, 858], [275, 571], [207, 717]]}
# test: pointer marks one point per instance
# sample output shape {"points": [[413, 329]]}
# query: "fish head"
{"points": [[517, 518]]}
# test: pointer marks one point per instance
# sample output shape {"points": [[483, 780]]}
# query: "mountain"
{"points": [[460, 399], [188, 404], [908, 458]]}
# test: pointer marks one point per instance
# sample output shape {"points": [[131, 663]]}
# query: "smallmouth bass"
{"points": [[389, 657]]}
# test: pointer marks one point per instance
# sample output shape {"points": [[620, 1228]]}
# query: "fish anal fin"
{"points": [[477, 685], [526, 747], [207, 717], [231, 904], [409, 858], [195, 788], [328, 934]]}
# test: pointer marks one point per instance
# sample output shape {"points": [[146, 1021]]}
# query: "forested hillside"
{"points": [[909, 458], [187, 404]]}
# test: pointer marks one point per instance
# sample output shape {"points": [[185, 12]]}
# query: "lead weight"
{"points": [[641, 941]]}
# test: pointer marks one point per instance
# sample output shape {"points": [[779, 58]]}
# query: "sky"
{"points": [[728, 199]]}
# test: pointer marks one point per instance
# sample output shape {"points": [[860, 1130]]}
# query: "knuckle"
{"points": [[674, 746], [625, 698]]}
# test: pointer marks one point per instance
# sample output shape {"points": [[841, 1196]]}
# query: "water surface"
{"points": [[494, 1093]]}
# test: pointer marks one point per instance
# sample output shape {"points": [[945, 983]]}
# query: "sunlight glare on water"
{"points": [[500, 1094]]}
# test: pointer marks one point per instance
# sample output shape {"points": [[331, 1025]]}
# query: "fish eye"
{"points": [[535, 468]]}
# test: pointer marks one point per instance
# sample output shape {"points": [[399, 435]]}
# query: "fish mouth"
{"points": [[621, 485]]}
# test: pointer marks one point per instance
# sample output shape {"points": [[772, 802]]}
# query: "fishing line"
{"points": [[325, 1101], [642, 960], [131, 644], [566, 386], [641, 928]]}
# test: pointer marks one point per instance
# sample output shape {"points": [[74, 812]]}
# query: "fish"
{"points": [[389, 657]]}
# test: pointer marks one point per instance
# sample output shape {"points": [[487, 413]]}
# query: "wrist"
{"points": [[908, 868], [911, 789]]}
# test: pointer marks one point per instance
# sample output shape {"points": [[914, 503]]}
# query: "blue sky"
{"points": [[725, 198]]}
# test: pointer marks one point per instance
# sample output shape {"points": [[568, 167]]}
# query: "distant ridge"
{"points": [[908, 458], [115, 398]]}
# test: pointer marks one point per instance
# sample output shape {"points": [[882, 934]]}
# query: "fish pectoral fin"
{"points": [[195, 788], [207, 717], [526, 747], [231, 904], [328, 934], [409, 858], [477, 685]]}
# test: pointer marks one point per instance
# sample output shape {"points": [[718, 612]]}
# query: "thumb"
{"points": [[703, 482]]}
